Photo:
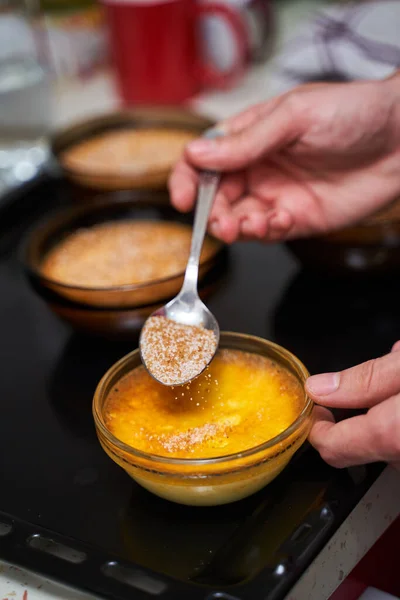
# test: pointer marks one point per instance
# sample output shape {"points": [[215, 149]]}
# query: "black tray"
{"points": [[68, 511]]}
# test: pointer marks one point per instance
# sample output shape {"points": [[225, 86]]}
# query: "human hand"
{"points": [[315, 159], [374, 436]]}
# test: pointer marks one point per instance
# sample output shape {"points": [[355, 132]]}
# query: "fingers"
{"points": [[183, 186], [372, 437], [362, 386], [241, 148], [262, 128], [224, 224], [253, 217], [249, 116], [359, 440], [230, 190], [183, 180], [280, 225], [183, 190], [225, 229]]}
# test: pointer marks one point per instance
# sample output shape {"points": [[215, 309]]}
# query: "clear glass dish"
{"points": [[211, 481]]}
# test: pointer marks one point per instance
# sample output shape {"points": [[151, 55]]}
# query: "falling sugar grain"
{"points": [[175, 353]]}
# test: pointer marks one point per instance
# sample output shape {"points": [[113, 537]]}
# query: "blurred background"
{"points": [[71, 70], [62, 61]]}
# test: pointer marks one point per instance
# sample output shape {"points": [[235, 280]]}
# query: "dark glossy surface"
{"points": [[364, 250], [57, 481]]}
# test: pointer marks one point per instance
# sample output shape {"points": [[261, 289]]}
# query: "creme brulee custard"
{"points": [[219, 439], [239, 402], [127, 152], [122, 253]]}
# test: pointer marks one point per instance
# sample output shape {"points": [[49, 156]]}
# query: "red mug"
{"points": [[157, 50]]}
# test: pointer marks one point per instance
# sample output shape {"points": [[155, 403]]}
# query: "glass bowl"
{"points": [[210, 481]]}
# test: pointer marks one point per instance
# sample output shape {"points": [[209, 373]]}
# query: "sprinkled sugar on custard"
{"points": [[176, 353], [122, 253], [128, 151], [240, 401]]}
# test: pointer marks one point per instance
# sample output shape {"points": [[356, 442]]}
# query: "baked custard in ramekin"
{"points": [[217, 440]]}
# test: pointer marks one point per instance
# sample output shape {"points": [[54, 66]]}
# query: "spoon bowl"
{"points": [[187, 310]]}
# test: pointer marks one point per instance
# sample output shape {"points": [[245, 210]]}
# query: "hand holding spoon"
{"points": [[178, 347]]}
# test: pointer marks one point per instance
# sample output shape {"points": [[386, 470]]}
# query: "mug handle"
{"points": [[209, 75]]}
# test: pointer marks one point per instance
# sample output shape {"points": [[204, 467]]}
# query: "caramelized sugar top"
{"points": [[128, 152], [239, 402], [122, 253]]}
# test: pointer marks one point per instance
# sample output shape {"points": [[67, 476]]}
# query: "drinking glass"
{"points": [[25, 97]]}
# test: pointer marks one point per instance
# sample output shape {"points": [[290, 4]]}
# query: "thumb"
{"points": [[362, 386], [238, 149]]}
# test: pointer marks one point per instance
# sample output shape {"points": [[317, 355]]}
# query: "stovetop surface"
{"points": [[58, 485]]}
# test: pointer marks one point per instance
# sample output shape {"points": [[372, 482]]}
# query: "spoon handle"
{"points": [[208, 185]]}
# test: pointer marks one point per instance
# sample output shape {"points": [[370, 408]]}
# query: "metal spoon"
{"points": [[186, 307]]}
